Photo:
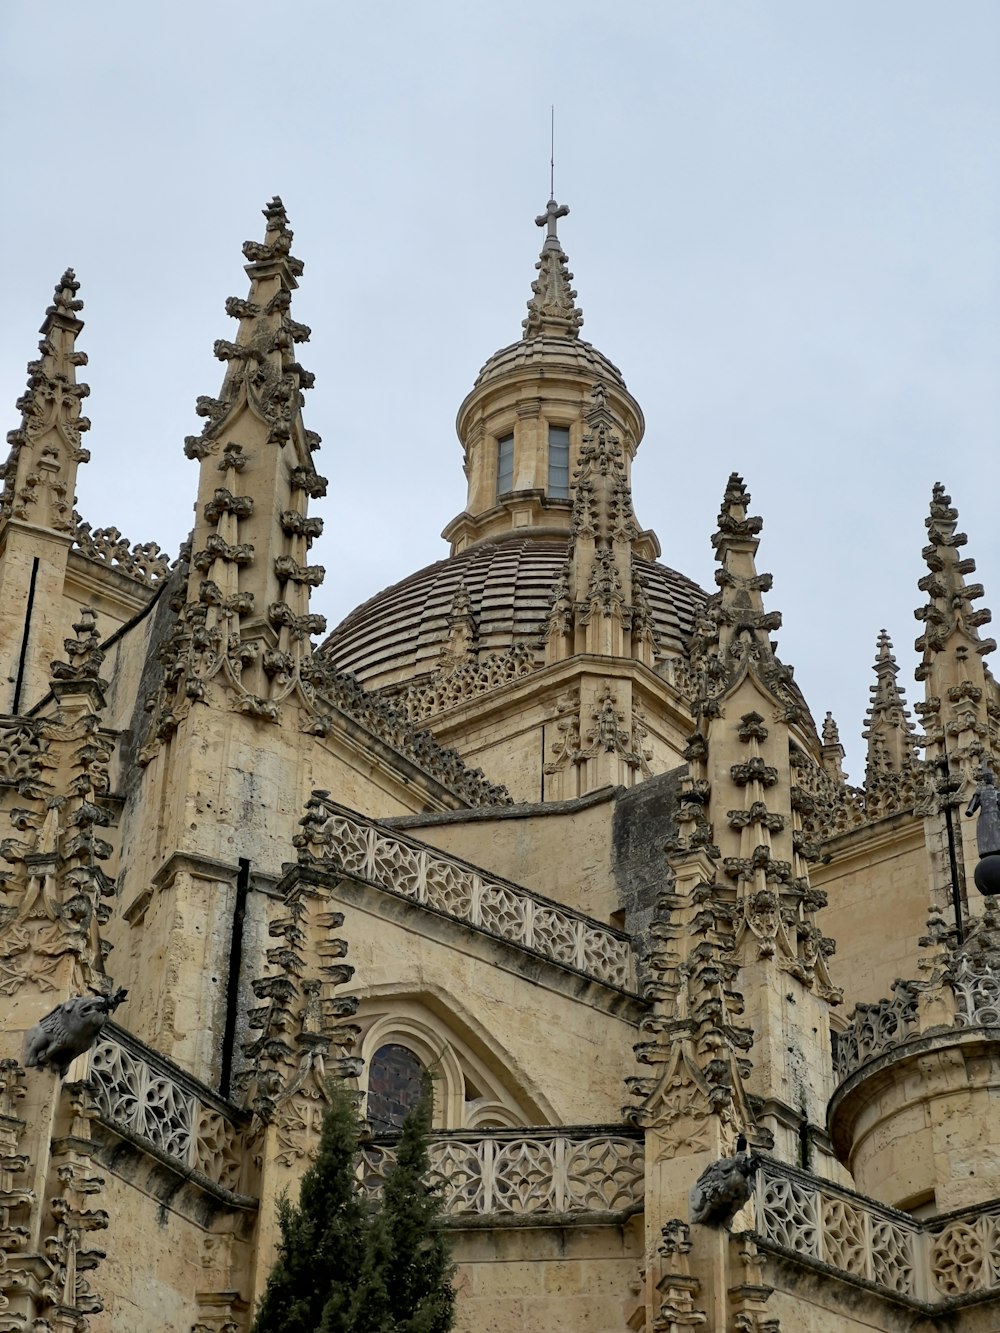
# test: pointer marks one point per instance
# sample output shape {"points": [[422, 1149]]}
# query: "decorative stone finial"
{"points": [[888, 730], [832, 753], [831, 732], [947, 608], [551, 309]]}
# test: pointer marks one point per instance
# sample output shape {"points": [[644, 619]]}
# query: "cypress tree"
{"points": [[418, 1268], [322, 1237], [347, 1266]]}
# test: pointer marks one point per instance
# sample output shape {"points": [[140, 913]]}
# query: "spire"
{"points": [[734, 632], [742, 615], [740, 900], [960, 694], [40, 472], [247, 616], [888, 730], [262, 372], [551, 309]]}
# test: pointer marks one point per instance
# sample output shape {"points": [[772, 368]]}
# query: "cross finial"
{"points": [[553, 212]]}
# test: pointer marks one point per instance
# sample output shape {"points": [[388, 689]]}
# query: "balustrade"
{"points": [[370, 852]]}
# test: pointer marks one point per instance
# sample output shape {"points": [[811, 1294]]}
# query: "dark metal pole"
{"points": [[947, 786]]}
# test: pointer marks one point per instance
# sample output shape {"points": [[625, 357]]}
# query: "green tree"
{"points": [[418, 1268], [323, 1237], [347, 1266]]}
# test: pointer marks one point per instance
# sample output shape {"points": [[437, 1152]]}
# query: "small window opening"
{"points": [[505, 464], [559, 462]]}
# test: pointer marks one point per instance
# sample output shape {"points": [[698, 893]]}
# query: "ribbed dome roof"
{"points": [[553, 353], [398, 634]]}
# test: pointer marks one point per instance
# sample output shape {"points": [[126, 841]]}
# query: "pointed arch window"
{"points": [[395, 1086], [505, 464], [558, 487]]}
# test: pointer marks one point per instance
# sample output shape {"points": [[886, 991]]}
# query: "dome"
{"points": [[398, 634], [549, 352]]}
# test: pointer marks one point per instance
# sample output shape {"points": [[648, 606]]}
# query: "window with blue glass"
{"points": [[558, 487], [505, 464], [395, 1086]]}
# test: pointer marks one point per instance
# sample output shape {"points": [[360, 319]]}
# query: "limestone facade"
{"points": [[546, 819]]}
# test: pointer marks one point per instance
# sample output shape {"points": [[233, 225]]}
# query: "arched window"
{"points": [[395, 1086]]}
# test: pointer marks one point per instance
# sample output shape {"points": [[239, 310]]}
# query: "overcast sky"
{"points": [[785, 230]]}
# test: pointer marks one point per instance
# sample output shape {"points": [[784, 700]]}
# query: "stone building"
{"points": [[545, 818]]}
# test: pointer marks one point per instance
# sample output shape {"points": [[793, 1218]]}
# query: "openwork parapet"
{"points": [[928, 1264], [141, 1093], [144, 562], [874, 1029], [593, 1169], [351, 845], [512, 1172]]}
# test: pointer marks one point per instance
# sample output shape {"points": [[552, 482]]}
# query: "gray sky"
{"points": [[785, 230]]}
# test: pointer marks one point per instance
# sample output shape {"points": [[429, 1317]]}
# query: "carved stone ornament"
{"points": [[55, 893], [68, 1030], [144, 562], [691, 1039], [722, 1189], [467, 680], [677, 1289], [303, 1036]]}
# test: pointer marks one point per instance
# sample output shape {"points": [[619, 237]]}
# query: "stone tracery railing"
{"points": [[924, 1262], [141, 1093], [368, 851], [976, 983], [874, 1029], [527, 1173], [511, 1172]]}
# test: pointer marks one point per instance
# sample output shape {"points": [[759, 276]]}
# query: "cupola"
{"points": [[522, 426]]}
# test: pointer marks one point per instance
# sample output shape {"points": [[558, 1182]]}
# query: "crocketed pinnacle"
{"points": [[40, 472], [947, 610], [888, 729], [551, 309], [960, 714], [740, 610], [261, 364]]}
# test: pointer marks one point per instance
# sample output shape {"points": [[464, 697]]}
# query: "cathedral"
{"points": [[545, 819]]}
